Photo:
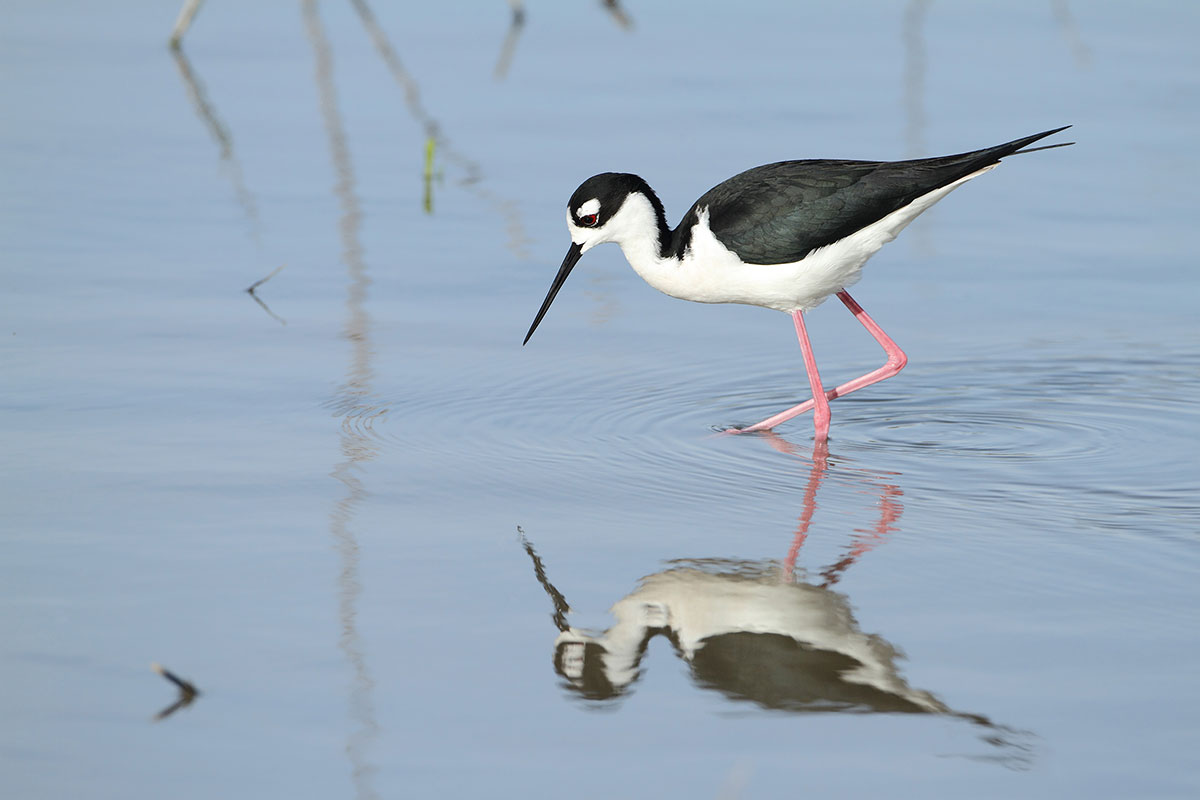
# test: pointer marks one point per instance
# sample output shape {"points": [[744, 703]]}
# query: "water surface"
{"points": [[310, 506]]}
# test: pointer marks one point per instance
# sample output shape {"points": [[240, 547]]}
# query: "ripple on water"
{"points": [[648, 425], [652, 425], [971, 427], [1047, 409]]}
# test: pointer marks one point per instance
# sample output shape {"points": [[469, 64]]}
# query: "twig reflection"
{"points": [[1070, 31], [252, 290], [187, 692], [613, 7], [217, 129], [471, 173], [517, 24], [915, 67], [220, 134], [184, 21], [412, 93], [352, 396], [509, 45]]}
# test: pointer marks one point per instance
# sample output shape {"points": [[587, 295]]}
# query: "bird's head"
{"points": [[609, 207]]}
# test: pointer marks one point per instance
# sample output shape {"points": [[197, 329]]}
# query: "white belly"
{"points": [[711, 273]]}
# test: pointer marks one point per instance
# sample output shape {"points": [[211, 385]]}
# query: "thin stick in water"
{"points": [[250, 289], [185, 687]]}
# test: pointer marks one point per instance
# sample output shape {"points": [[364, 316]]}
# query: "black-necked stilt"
{"points": [[782, 236]]}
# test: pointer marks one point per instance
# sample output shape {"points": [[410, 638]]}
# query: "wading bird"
{"points": [[782, 236]]}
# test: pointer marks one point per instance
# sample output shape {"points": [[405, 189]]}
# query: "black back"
{"points": [[779, 213]]}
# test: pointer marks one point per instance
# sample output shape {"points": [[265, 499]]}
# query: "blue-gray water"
{"points": [[312, 512]]}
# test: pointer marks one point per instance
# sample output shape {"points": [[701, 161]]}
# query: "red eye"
{"points": [[588, 219]]}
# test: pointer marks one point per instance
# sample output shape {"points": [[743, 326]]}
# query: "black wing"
{"points": [[779, 213]]}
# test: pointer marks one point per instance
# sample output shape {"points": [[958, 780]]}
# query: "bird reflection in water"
{"points": [[761, 631]]}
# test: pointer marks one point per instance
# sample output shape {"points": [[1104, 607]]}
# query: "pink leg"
{"points": [[895, 362], [821, 407]]}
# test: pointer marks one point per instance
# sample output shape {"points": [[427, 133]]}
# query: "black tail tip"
{"points": [[1022, 144]]}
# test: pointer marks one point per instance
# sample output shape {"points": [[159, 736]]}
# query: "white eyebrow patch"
{"points": [[590, 207]]}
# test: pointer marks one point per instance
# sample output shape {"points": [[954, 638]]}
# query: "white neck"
{"points": [[635, 228]]}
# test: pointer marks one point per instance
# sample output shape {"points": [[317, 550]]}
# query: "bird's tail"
{"points": [[1043, 147], [1031, 139]]}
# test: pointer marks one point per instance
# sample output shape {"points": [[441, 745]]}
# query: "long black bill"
{"points": [[568, 264]]}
